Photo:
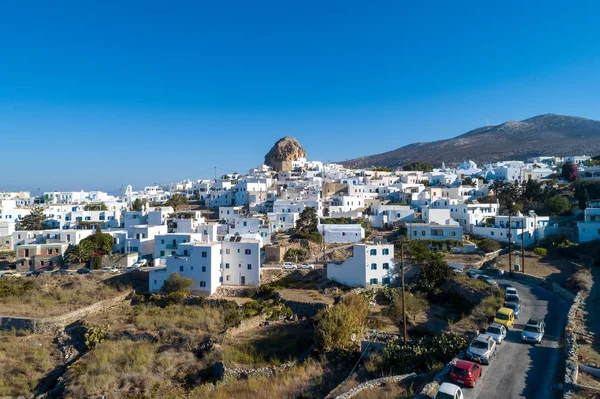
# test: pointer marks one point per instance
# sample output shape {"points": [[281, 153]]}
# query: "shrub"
{"points": [[297, 255], [541, 252], [176, 283], [422, 355], [335, 326], [95, 336], [580, 280], [488, 245], [415, 306]]}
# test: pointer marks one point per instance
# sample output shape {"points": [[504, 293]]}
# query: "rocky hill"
{"points": [[283, 152], [548, 134]]}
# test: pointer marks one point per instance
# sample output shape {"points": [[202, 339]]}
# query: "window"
{"points": [[186, 253], [226, 265], [204, 254], [248, 251], [162, 241], [203, 268], [180, 268], [423, 233], [373, 281], [49, 251], [385, 251], [202, 283], [415, 233], [492, 233], [162, 253], [155, 282], [228, 278], [245, 224], [373, 266], [454, 234], [373, 252], [343, 234], [249, 267], [386, 266], [227, 251]]}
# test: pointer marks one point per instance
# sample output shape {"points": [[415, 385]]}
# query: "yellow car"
{"points": [[506, 317]]}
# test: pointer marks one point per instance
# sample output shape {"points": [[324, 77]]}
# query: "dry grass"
{"points": [[199, 319], [51, 295], [587, 380], [24, 362], [587, 354], [268, 346], [312, 379], [585, 395], [396, 391], [553, 266]]}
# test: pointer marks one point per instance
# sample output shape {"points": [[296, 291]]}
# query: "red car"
{"points": [[465, 372]]}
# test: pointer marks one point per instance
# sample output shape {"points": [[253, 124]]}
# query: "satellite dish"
{"points": [[353, 337]]}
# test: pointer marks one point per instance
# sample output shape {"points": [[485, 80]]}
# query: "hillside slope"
{"points": [[548, 134]]}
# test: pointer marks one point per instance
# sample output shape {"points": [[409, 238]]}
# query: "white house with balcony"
{"points": [[370, 266], [341, 233], [528, 228], [435, 232], [387, 215], [589, 229], [241, 260], [166, 245], [199, 261]]}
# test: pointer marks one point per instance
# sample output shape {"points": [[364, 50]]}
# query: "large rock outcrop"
{"points": [[283, 153]]}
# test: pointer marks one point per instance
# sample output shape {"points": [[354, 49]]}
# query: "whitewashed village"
{"points": [[280, 248]]}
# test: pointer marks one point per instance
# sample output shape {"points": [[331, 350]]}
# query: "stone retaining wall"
{"points": [[376, 383], [431, 389], [268, 371], [572, 363], [56, 323], [308, 309], [528, 278]]}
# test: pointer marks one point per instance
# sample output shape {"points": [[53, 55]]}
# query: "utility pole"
{"points": [[403, 296], [523, 246], [509, 246]]}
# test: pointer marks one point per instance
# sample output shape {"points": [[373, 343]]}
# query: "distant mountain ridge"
{"points": [[548, 134]]}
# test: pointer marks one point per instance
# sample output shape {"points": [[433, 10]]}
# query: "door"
{"points": [[243, 282]]}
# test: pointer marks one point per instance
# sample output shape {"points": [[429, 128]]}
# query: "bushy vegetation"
{"points": [[558, 205], [541, 252], [95, 206], [556, 242], [306, 226], [297, 255], [580, 280], [487, 245], [36, 220], [176, 283], [418, 166], [416, 305], [422, 355], [335, 325]]}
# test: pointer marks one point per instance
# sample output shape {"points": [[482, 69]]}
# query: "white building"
{"points": [[241, 260], [230, 213], [371, 265], [341, 233], [387, 215], [589, 229], [528, 228], [166, 245], [435, 232]]}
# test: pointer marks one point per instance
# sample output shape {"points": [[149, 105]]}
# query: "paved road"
{"points": [[522, 370]]}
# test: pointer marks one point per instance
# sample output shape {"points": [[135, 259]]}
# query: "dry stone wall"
{"points": [[376, 383]]}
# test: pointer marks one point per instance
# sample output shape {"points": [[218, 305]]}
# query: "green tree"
{"points": [[467, 181], [434, 271], [138, 204], [533, 190], [418, 166], [306, 225], [80, 253], [36, 220], [416, 305], [176, 283], [509, 196], [335, 326], [176, 201], [584, 199], [100, 243], [558, 205]]}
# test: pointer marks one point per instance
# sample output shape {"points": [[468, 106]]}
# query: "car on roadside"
{"points": [[488, 280], [289, 266], [84, 270], [506, 317], [511, 291], [516, 308], [473, 273], [141, 263], [465, 372], [449, 391], [534, 330], [504, 286], [496, 331], [308, 266], [129, 269], [10, 275], [512, 298], [482, 349], [110, 269]]}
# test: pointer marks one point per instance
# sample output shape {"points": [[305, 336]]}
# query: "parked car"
{"points": [[110, 269], [449, 391], [289, 265], [465, 372], [504, 286], [130, 269], [10, 274], [511, 291], [506, 317], [496, 331], [141, 263], [474, 273], [307, 266], [516, 308], [84, 270], [488, 280], [533, 331], [512, 298], [482, 349]]}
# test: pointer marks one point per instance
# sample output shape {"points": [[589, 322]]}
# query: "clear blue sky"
{"points": [[95, 94]]}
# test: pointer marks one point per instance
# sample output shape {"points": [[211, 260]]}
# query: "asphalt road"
{"points": [[523, 370]]}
